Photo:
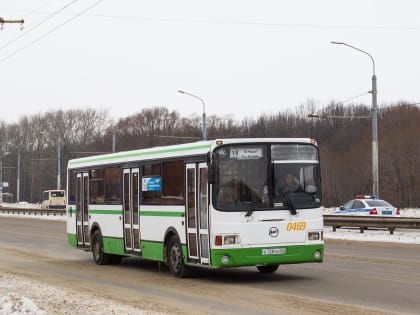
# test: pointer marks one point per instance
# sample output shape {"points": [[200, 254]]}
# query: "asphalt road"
{"points": [[355, 278]]}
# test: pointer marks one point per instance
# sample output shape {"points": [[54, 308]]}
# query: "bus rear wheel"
{"points": [[267, 268], [175, 258], [99, 256]]}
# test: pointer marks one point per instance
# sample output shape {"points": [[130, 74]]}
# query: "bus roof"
{"points": [[179, 150]]}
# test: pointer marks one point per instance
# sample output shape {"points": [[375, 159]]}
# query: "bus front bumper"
{"points": [[295, 254]]}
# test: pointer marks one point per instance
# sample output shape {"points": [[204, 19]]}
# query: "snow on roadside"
{"points": [[376, 235], [22, 205], [13, 304], [373, 235], [19, 296]]}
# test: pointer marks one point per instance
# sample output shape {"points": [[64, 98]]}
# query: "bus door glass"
{"points": [[197, 213], [203, 207], [131, 209], [82, 209]]}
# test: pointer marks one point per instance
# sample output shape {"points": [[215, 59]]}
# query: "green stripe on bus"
{"points": [[152, 250], [71, 211], [105, 212], [138, 154], [72, 239], [113, 245], [162, 213], [253, 256]]}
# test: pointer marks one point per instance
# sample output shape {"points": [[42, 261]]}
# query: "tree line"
{"points": [[343, 135]]}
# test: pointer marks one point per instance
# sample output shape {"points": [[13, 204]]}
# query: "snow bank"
{"points": [[13, 304], [21, 296]]}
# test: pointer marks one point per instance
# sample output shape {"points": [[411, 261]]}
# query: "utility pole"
{"points": [[375, 168], [3, 21], [59, 164]]}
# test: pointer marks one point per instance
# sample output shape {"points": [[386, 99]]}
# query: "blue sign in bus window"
{"points": [[151, 183]]}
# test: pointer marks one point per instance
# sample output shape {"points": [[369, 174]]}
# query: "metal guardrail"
{"points": [[31, 211], [364, 222], [336, 221]]}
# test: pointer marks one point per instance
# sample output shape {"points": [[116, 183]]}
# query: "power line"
{"points": [[233, 22], [30, 12], [352, 98], [37, 25], [51, 31]]}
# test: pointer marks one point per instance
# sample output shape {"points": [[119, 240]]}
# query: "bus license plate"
{"points": [[273, 251]]}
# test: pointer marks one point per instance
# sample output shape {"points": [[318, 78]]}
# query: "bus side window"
{"points": [[112, 186], [173, 182]]}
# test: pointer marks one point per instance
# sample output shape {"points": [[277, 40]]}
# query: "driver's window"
{"points": [[357, 205], [348, 205]]}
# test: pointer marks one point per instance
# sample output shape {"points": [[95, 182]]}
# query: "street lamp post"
{"points": [[59, 164], [375, 172], [58, 159], [113, 139], [18, 172], [1, 175], [204, 112]]}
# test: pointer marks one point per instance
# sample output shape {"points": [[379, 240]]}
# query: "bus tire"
{"points": [[99, 256], [267, 268], [175, 258]]}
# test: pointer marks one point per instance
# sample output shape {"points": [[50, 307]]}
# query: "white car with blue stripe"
{"points": [[367, 205]]}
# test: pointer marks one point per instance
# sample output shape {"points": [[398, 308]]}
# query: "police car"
{"points": [[367, 205]]}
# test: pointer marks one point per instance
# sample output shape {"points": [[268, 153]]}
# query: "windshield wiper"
{"points": [[286, 198], [249, 207], [288, 201]]}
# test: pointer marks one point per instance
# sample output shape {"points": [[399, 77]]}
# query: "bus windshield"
{"points": [[266, 176]]}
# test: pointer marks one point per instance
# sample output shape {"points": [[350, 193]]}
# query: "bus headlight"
{"points": [[317, 255], [313, 236], [231, 239]]}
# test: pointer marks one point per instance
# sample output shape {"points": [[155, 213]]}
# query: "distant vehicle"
{"points": [[367, 205], [53, 199]]}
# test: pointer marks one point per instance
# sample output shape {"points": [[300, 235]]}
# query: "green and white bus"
{"points": [[209, 204]]}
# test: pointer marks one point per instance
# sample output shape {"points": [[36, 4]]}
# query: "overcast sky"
{"points": [[243, 57]]}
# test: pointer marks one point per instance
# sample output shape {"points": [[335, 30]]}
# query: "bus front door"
{"points": [[82, 210], [131, 210], [197, 213]]}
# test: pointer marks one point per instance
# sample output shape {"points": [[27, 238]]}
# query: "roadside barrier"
{"points": [[336, 221], [35, 212], [365, 222]]}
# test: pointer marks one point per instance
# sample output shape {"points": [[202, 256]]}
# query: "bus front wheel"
{"points": [[267, 268], [99, 256], [175, 258]]}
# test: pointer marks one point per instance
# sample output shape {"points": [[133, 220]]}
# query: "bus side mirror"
{"points": [[211, 173]]}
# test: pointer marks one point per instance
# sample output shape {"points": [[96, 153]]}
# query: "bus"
{"points": [[53, 199], [209, 204]]}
